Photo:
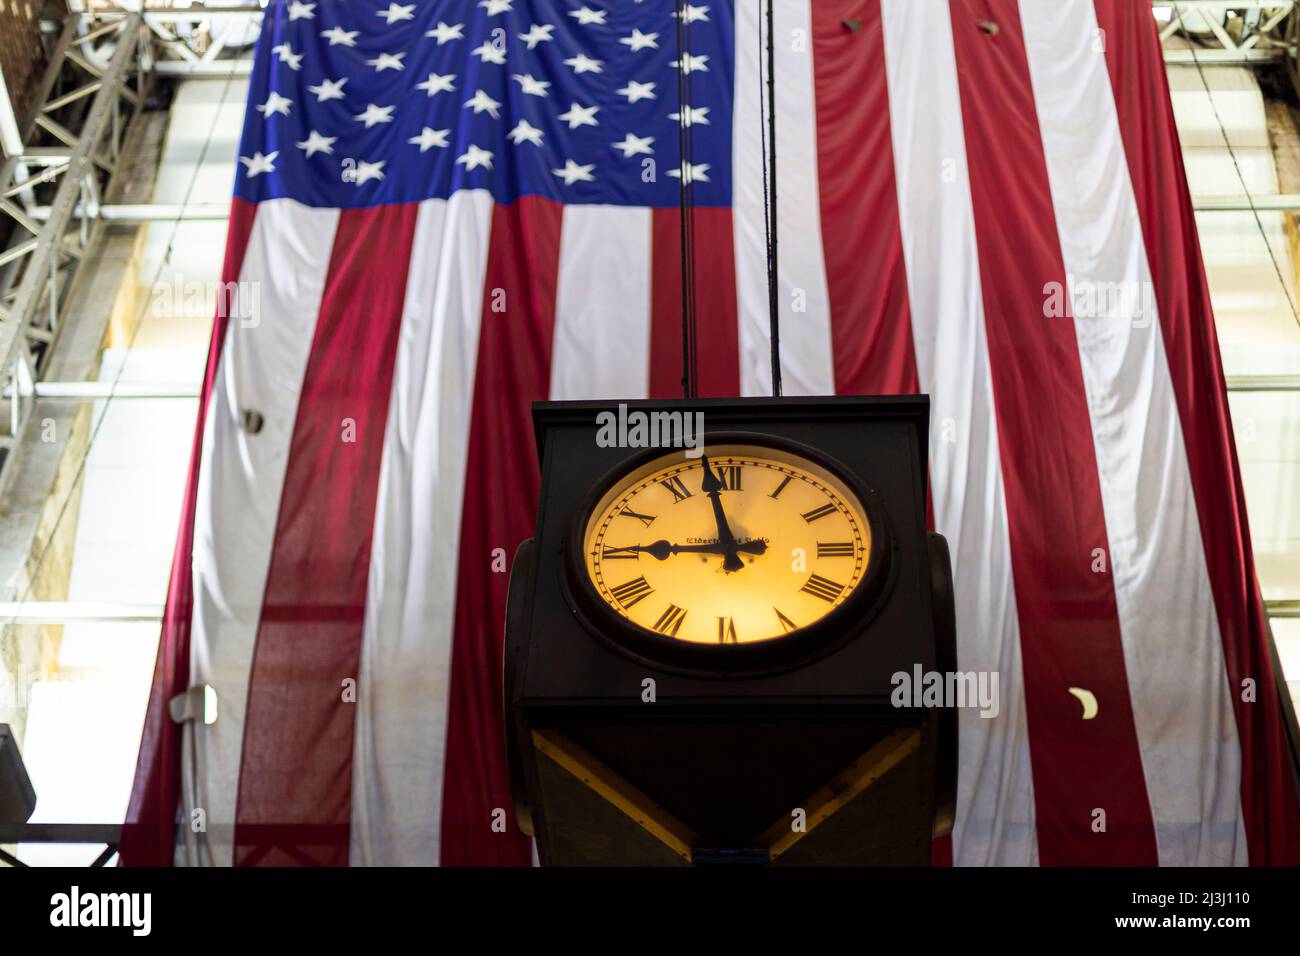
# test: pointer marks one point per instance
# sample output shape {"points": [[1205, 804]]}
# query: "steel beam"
{"points": [[1283, 609], [77, 612], [1249, 57], [1264, 383], [203, 69], [93, 391], [11, 138], [1281, 202], [138, 213]]}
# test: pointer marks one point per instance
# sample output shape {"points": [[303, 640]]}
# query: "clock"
{"points": [[745, 552], [703, 637]]}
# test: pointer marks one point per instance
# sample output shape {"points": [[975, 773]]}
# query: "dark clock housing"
{"points": [[626, 747]]}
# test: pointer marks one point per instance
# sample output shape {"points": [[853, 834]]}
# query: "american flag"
{"points": [[449, 210]]}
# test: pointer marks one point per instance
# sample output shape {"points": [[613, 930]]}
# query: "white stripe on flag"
{"points": [[995, 810], [404, 685], [1168, 623], [804, 303], [240, 481], [602, 304]]}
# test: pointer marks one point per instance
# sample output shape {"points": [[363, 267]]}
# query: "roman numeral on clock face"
{"points": [[787, 625], [726, 631], [646, 520], [835, 549], [823, 588], [632, 592], [822, 512], [680, 491], [730, 477], [670, 622], [622, 554], [776, 492]]}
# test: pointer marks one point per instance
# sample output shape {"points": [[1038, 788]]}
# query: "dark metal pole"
{"points": [[773, 292]]}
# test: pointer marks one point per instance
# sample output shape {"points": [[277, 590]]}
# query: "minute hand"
{"points": [[712, 487]]}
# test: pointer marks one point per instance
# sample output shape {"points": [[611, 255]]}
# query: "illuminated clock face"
{"points": [[746, 543]]}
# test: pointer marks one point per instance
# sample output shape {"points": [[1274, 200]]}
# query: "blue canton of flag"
{"points": [[361, 102]]}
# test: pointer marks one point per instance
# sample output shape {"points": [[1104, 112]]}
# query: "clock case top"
{"points": [[559, 663]]}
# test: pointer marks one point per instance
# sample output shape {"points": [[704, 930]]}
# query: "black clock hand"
{"points": [[712, 487], [664, 549]]}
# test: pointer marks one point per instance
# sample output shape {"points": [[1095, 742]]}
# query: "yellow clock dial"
{"points": [[746, 543]]}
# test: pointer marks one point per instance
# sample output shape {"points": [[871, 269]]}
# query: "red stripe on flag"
{"points": [[866, 277], [296, 766], [717, 332], [1069, 624], [1140, 85], [502, 481], [149, 833]]}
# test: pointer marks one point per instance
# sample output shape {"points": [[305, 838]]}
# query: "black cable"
{"points": [[688, 176], [772, 292], [685, 206]]}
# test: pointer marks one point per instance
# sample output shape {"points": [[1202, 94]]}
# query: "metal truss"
{"points": [[1228, 31], [71, 147], [60, 162]]}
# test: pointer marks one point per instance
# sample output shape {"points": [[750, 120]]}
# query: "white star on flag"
{"points": [[387, 61], [275, 103], [690, 63], [445, 32], [474, 157], [694, 116], [694, 173], [640, 41], [584, 64], [494, 7], [632, 144], [286, 54], [573, 173], [587, 16], [580, 116], [257, 164], [367, 171], [375, 114], [301, 11], [692, 13], [429, 138], [337, 35], [525, 132], [489, 52], [438, 83], [316, 143], [329, 90], [635, 91], [531, 85], [397, 11], [538, 33], [480, 102]]}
